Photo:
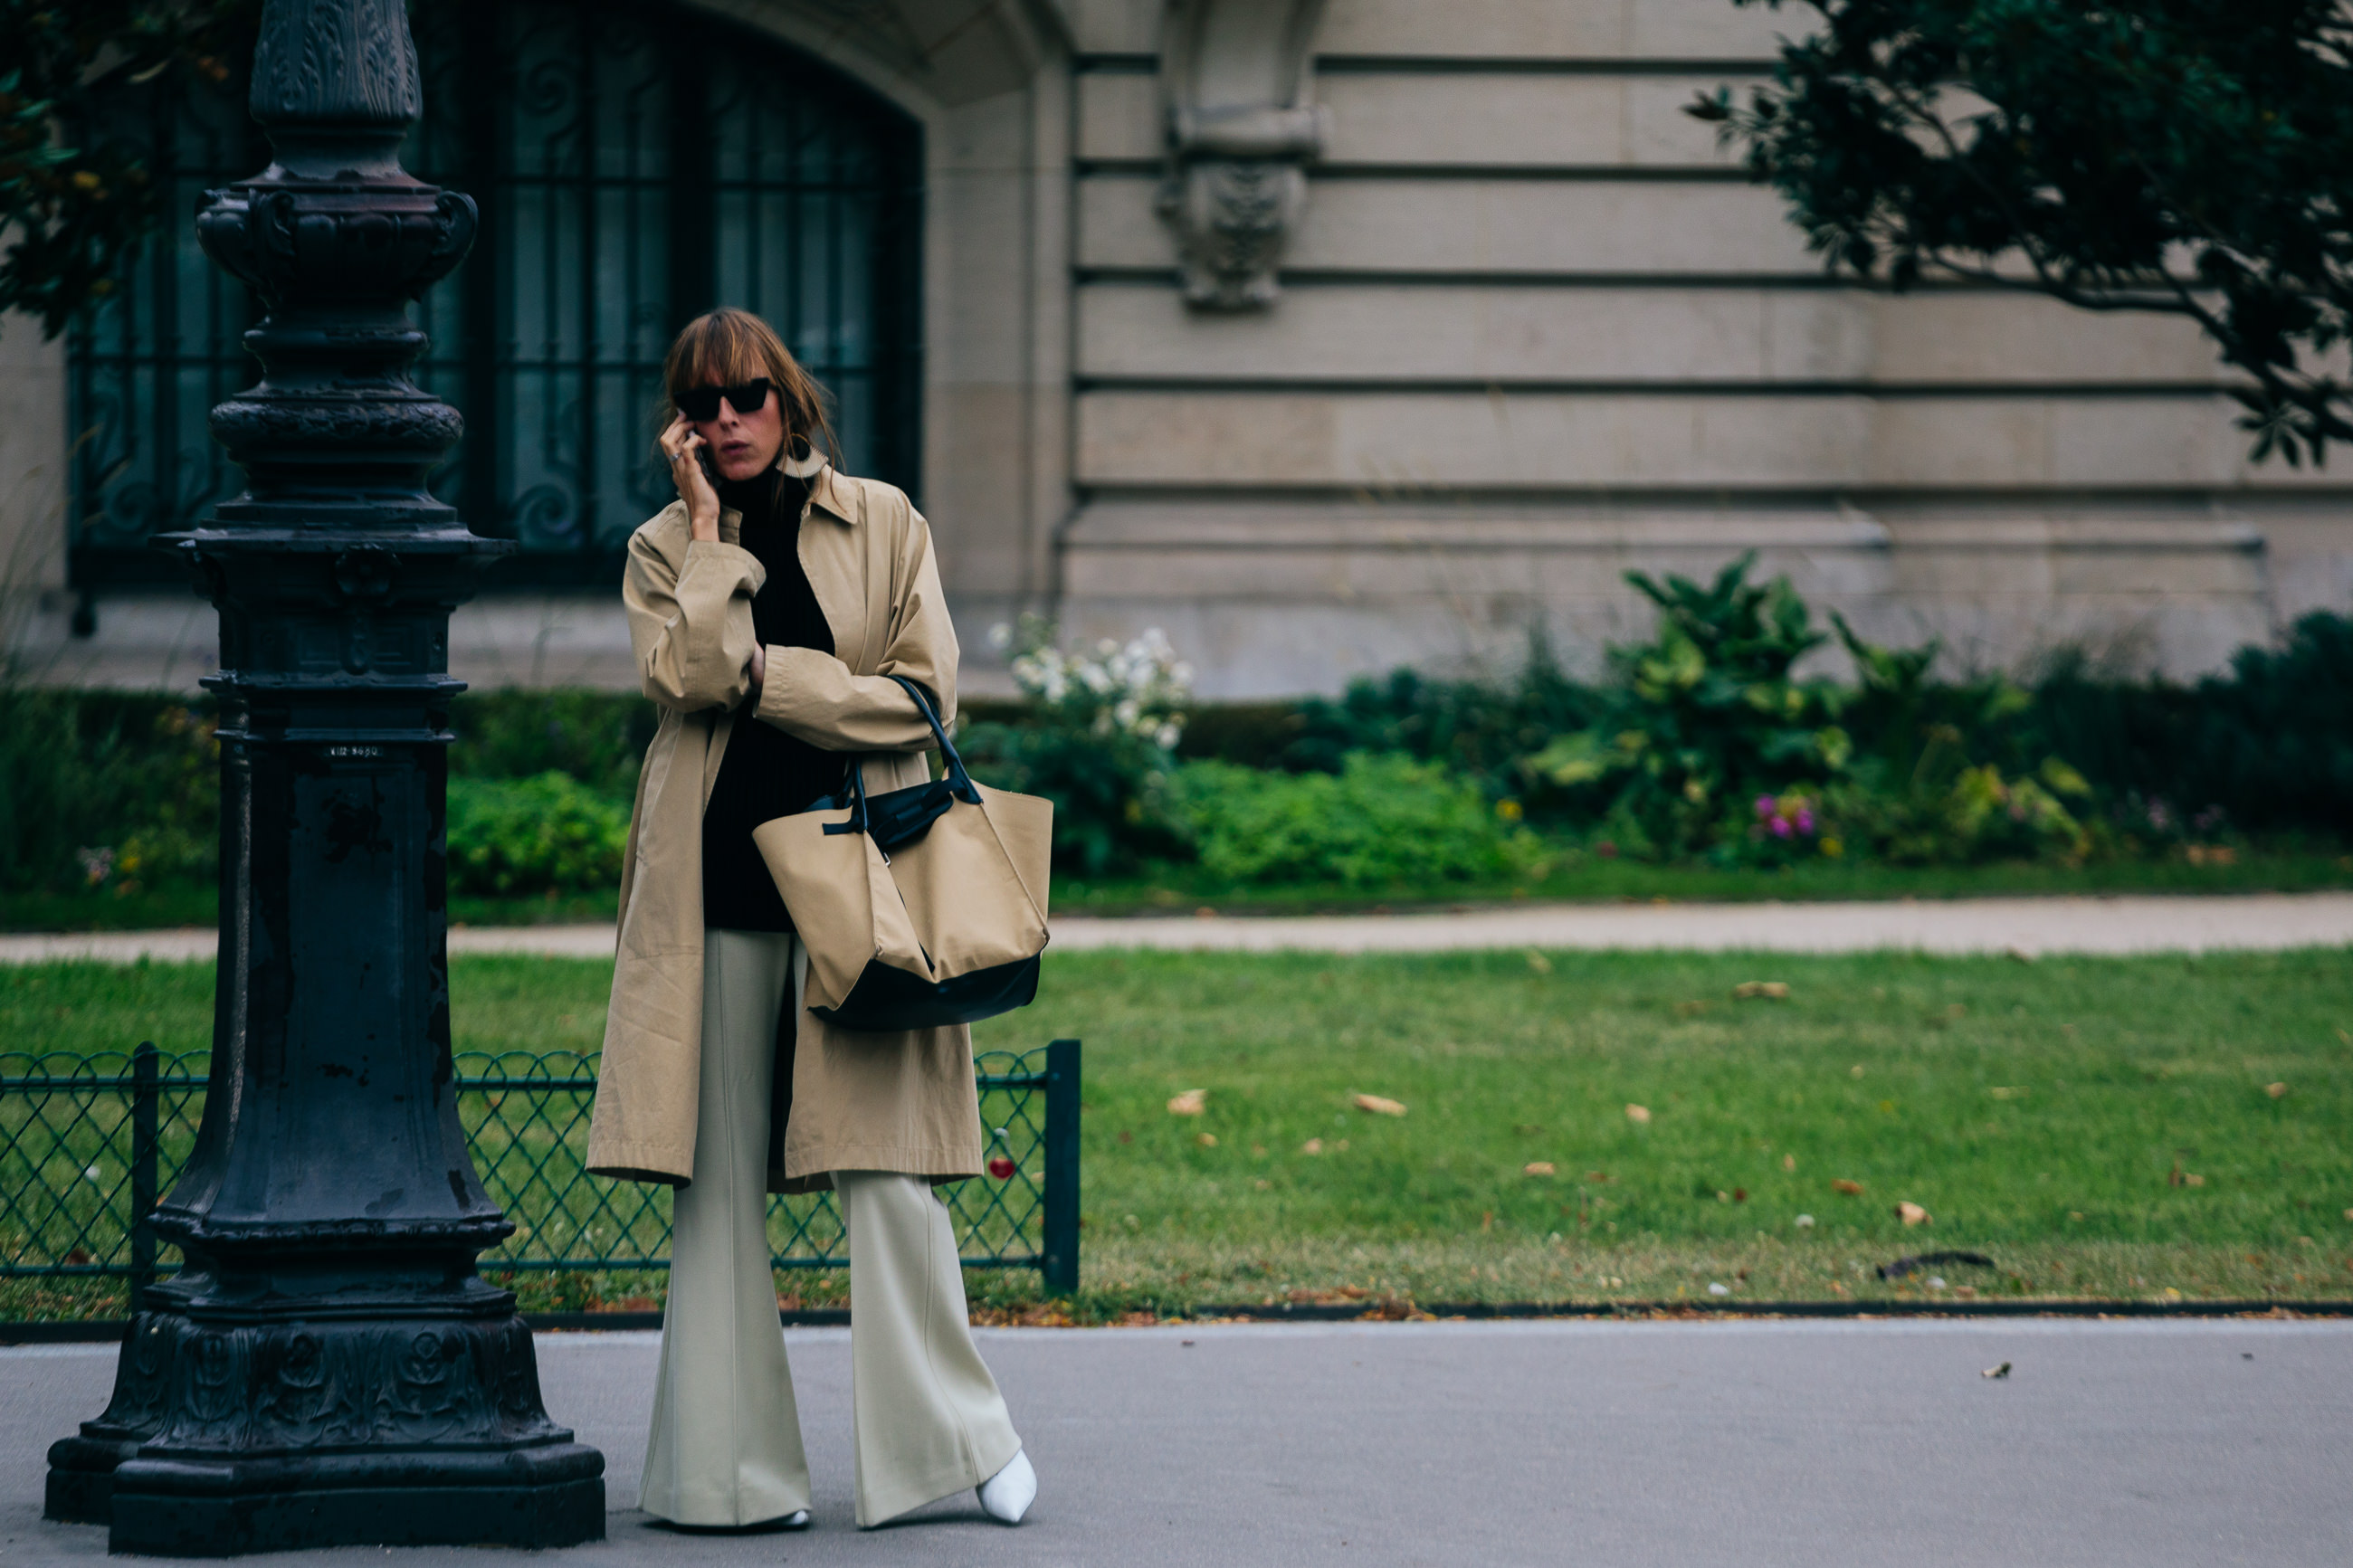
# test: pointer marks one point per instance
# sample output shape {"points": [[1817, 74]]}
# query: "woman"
{"points": [[768, 604]]}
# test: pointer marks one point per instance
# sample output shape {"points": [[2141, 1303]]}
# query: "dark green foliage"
{"points": [[1250, 734], [2269, 746], [596, 737], [1930, 789], [1098, 736], [1475, 728], [126, 784], [1109, 791], [1704, 722], [1919, 140], [105, 789], [1384, 820], [546, 833], [75, 199]]}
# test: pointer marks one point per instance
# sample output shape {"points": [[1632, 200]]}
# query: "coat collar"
{"points": [[827, 491]]}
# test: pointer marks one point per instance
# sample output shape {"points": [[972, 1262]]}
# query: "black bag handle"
{"points": [[960, 782]]}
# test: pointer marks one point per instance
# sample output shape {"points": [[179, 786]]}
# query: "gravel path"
{"points": [[2124, 924]]}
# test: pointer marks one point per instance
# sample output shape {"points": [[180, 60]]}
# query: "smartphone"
{"points": [[703, 455]]}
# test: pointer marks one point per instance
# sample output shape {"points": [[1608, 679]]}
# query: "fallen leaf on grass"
{"points": [[1379, 1106], [1207, 1140], [1789, 1162], [1192, 1102], [1765, 990], [2002, 1371], [1852, 1189], [1690, 1009], [1604, 1177], [1911, 1212], [1639, 1115], [2008, 1092], [2276, 1090], [1312, 1146], [1537, 1168], [1539, 963]]}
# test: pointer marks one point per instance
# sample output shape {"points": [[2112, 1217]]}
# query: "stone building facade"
{"points": [[1327, 334]]}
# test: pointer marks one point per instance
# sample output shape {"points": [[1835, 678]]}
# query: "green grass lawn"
{"points": [[2051, 1115], [1587, 879], [1583, 879]]}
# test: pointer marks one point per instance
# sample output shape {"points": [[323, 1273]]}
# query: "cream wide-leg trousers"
{"points": [[725, 1448]]}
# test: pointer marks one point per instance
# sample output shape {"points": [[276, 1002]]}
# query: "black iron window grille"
{"points": [[89, 1144], [635, 161]]}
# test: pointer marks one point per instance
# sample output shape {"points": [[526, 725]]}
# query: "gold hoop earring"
{"points": [[801, 457]]}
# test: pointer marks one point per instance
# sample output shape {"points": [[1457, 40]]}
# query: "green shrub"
{"points": [[1481, 730], [105, 791], [1097, 737], [1379, 821], [1702, 720], [1929, 787], [549, 834], [596, 737]]}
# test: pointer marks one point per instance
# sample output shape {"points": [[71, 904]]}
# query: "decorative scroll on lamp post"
{"points": [[329, 1368]]}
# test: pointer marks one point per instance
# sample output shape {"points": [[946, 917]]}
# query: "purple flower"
{"points": [[1780, 825], [1804, 821], [1763, 805]]}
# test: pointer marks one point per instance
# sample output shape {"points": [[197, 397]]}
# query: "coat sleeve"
{"points": [[815, 697], [691, 625]]}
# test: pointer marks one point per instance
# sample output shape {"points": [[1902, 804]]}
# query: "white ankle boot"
{"points": [[1007, 1495]]}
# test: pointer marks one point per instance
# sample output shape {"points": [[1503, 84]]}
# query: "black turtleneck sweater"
{"points": [[766, 773]]}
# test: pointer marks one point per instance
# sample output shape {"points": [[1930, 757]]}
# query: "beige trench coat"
{"points": [[862, 1101]]}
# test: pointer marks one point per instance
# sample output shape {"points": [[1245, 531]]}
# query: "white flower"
{"points": [[1001, 634]]}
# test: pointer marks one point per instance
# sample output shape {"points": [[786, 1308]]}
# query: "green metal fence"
{"points": [[90, 1143]]}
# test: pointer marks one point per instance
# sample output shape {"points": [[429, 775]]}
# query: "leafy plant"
{"points": [[1702, 719], [548, 834], [1382, 820], [105, 790], [75, 199], [1097, 737], [596, 737], [1480, 729], [2173, 156], [1925, 790]]}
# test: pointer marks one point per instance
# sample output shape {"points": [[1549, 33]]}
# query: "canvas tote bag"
{"points": [[919, 907]]}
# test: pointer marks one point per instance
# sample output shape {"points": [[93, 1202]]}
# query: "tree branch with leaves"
{"points": [[2173, 156], [75, 199]]}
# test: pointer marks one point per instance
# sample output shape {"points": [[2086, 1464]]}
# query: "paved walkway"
{"points": [[1620, 1445], [2122, 924]]}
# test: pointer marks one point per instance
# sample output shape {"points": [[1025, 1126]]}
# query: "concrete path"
{"points": [[2122, 924], [1749, 1445]]}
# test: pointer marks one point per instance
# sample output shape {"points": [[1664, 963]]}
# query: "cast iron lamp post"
{"points": [[329, 1368]]}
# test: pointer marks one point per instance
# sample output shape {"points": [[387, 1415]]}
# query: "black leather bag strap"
{"points": [[857, 820], [959, 782]]}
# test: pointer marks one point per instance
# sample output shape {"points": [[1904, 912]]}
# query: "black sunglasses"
{"points": [[702, 404]]}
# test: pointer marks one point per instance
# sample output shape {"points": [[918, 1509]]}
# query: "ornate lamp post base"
{"points": [[297, 1425]]}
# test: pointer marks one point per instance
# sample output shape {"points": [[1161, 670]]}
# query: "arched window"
{"points": [[635, 162]]}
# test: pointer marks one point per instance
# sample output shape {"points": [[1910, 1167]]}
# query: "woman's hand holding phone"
{"points": [[689, 471]]}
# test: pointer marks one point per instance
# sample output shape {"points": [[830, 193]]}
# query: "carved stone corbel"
{"points": [[1236, 77]]}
